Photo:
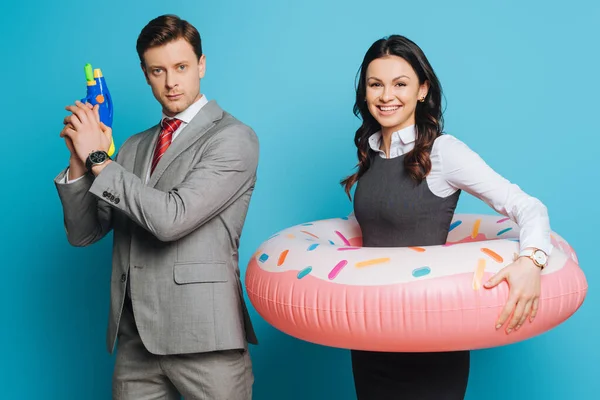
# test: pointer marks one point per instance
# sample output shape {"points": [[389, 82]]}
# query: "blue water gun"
{"points": [[97, 93]]}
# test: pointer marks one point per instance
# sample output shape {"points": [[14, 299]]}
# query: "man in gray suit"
{"points": [[175, 198]]}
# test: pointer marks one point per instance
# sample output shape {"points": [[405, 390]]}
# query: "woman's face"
{"points": [[393, 90]]}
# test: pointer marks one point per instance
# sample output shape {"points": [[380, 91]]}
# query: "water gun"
{"points": [[97, 93]]}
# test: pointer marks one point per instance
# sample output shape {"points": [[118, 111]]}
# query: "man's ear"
{"points": [[201, 66]]}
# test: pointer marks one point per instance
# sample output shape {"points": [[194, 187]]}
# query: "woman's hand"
{"points": [[524, 281]]}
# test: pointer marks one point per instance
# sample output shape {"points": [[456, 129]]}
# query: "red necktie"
{"points": [[164, 140]]}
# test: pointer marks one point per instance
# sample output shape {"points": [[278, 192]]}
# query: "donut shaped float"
{"points": [[316, 282]]}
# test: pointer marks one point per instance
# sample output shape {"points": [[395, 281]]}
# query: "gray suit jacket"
{"points": [[176, 237]]}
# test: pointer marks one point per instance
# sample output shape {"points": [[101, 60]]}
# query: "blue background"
{"points": [[521, 84]]}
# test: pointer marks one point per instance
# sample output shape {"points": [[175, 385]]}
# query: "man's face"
{"points": [[174, 71]]}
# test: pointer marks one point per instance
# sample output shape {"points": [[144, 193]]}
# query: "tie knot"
{"points": [[170, 125]]}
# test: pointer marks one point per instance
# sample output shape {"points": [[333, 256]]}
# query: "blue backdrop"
{"points": [[521, 84]]}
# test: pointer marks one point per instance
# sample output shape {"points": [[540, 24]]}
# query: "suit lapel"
{"points": [[145, 149], [198, 126]]}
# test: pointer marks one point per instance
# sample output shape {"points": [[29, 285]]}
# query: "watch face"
{"points": [[98, 157], [540, 257]]}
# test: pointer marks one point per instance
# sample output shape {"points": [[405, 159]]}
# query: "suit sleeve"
{"points": [[86, 219], [226, 170]]}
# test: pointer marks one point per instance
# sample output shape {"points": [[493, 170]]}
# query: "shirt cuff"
{"points": [[66, 179]]}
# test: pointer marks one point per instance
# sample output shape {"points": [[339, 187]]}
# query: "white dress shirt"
{"points": [[185, 116], [455, 166]]}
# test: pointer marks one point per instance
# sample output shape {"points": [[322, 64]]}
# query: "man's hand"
{"points": [[85, 131], [76, 167]]}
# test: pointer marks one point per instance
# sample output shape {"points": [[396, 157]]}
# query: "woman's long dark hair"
{"points": [[428, 115]]}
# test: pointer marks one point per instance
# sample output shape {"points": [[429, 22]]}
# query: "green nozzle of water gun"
{"points": [[89, 73]]}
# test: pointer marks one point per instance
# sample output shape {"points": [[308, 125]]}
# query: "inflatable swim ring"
{"points": [[315, 282]]}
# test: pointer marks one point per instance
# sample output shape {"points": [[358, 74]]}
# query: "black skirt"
{"points": [[410, 376]]}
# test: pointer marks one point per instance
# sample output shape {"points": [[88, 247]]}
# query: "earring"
{"points": [[422, 99]]}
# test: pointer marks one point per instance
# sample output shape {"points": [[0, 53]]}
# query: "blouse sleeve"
{"points": [[464, 169]]}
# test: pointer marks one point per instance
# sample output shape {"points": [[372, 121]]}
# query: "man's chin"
{"points": [[172, 110]]}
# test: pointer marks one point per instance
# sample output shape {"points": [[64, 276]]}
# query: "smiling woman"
{"points": [[394, 77], [409, 179]]}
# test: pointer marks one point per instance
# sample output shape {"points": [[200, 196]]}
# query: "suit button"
{"points": [[112, 197], [123, 278], [105, 194], [117, 200]]}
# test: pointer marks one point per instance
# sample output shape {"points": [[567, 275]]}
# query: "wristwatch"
{"points": [[96, 157], [539, 257]]}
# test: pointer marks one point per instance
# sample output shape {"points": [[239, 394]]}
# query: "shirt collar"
{"points": [[189, 113], [407, 135], [402, 137]]}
